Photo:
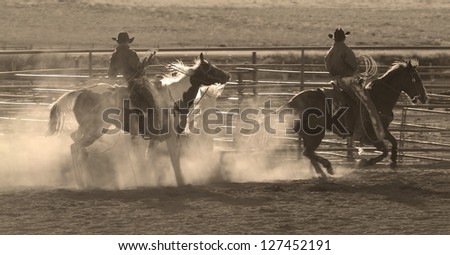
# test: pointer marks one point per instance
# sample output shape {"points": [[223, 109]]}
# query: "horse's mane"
{"points": [[398, 64], [177, 71]]}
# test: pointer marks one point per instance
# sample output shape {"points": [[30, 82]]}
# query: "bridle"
{"points": [[414, 82]]}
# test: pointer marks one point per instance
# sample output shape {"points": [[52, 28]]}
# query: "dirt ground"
{"points": [[247, 194], [373, 201]]}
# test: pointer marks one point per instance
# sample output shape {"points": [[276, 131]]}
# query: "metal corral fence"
{"points": [[423, 131]]}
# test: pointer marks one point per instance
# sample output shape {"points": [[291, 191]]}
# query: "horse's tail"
{"points": [[59, 110], [304, 100]]}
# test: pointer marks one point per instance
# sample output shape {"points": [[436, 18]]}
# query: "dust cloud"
{"points": [[34, 160], [31, 159]]}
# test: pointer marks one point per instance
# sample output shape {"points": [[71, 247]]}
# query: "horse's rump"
{"points": [[325, 100]]}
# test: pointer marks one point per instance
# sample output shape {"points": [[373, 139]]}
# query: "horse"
{"points": [[173, 92], [384, 92]]}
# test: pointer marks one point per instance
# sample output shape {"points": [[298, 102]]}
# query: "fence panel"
{"points": [[422, 131]]}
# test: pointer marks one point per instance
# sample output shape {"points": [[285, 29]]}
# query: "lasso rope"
{"points": [[371, 67]]}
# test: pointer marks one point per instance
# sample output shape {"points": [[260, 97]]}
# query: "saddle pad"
{"points": [[337, 96]]}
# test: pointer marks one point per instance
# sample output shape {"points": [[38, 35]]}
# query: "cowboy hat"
{"points": [[339, 35], [123, 37]]}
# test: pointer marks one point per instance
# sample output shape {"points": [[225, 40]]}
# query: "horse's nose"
{"points": [[228, 76]]}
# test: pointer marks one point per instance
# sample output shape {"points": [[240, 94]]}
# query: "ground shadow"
{"points": [[395, 191]]}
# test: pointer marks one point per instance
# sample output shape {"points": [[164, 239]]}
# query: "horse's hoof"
{"points": [[330, 170], [393, 164], [322, 177]]}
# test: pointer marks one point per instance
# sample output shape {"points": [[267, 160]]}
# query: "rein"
{"points": [[198, 102]]}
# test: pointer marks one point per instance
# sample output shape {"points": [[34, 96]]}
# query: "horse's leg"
{"points": [[310, 144], [151, 160], [173, 146], [299, 148], [380, 146], [394, 149], [300, 103], [325, 163], [299, 141], [136, 157], [151, 149], [82, 138], [79, 163], [79, 158]]}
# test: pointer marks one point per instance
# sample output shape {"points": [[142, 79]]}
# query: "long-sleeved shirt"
{"points": [[124, 61], [341, 61]]}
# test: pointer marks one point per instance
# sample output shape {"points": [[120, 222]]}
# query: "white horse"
{"points": [[89, 105]]}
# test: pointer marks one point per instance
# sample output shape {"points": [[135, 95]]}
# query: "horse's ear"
{"points": [[202, 58], [412, 63], [408, 63]]}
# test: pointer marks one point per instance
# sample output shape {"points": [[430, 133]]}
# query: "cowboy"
{"points": [[342, 65], [126, 62]]}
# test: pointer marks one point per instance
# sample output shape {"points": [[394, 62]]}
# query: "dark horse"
{"points": [[384, 91], [175, 90]]}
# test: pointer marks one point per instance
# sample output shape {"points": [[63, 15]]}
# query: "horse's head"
{"points": [[403, 76], [207, 74], [412, 83]]}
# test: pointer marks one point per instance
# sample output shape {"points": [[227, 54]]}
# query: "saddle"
{"points": [[341, 99], [357, 119], [367, 126], [142, 98]]}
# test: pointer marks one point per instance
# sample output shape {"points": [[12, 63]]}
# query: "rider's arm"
{"points": [[133, 59], [328, 62], [350, 60]]}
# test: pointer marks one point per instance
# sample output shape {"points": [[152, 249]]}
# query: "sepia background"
{"points": [[249, 193]]}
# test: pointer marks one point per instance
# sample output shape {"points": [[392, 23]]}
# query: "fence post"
{"points": [[241, 85], [302, 70], [350, 156], [13, 64], [430, 70], [90, 64], [255, 73], [77, 62], [402, 134]]}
